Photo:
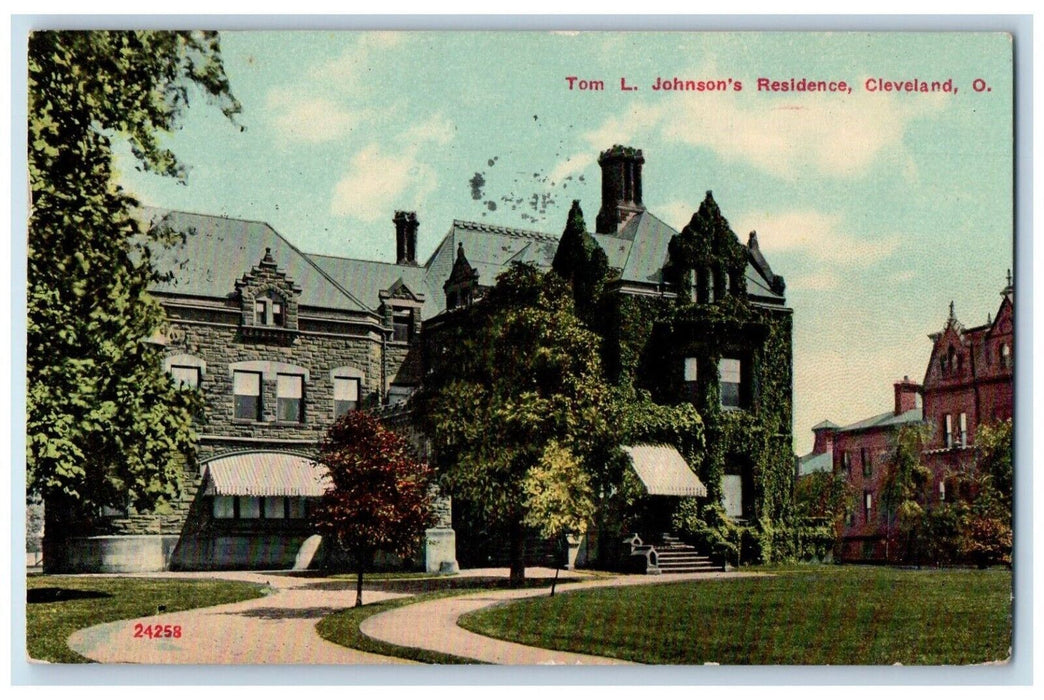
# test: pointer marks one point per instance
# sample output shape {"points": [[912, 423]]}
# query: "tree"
{"points": [[381, 497], [581, 261], [987, 537], [516, 405], [905, 492], [105, 425]]}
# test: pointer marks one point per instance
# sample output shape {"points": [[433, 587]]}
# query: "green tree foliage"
{"points": [[987, 534], [824, 496], [904, 495], [581, 261], [105, 426], [381, 497], [516, 409]]}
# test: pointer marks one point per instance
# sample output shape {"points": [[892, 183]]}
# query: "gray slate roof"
{"points": [[365, 279], [218, 251], [812, 462], [885, 420]]}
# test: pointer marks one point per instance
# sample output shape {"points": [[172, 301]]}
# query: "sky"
{"points": [[879, 207]]}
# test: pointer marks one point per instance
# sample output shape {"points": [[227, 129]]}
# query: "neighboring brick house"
{"points": [[968, 383], [280, 342]]}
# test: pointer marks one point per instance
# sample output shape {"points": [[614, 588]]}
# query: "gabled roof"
{"points": [[365, 279], [217, 251], [826, 424], [885, 420], [489, 249]]}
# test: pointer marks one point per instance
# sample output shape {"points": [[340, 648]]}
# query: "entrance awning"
{"points": [[265, 474], [664, 471]]}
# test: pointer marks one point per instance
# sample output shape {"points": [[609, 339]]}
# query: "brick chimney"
{"points": [[906, 393], [824, 433], [405, 237], [621, 187]]}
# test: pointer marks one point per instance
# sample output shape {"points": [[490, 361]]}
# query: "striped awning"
{"points": [[664, 471], [265, 474]]}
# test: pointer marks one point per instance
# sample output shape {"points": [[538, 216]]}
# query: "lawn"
{"points": [[57, 606], [814, 615]]}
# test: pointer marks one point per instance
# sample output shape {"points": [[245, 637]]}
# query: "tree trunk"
{"points": [[358, 584], [517, 539]]}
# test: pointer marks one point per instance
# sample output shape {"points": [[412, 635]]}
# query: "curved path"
{"points": [[276, 629], [433, 625]]}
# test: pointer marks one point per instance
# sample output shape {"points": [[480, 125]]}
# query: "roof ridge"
{"points": [[508, 230]]}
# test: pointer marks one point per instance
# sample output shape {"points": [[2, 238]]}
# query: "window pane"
{"points": [[730, 395], [247, 390], [274, 507], [690, 369], [186, 377], [346, 389], [288, 410], [289, 386], [729, 369], [297, 508], [224, 506], [249, 507], [260, 315], [247, 383], [277, 313]]}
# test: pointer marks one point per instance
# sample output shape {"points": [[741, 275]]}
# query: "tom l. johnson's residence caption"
{"points": [[876, 84]]}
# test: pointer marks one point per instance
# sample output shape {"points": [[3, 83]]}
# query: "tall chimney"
{"points": [[621, 187], [824, 433], [906, 393], [405, 237]]}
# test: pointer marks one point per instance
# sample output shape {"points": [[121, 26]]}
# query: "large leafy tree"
{"points": [[905, 490], [381, 496], [516, 407], [105, 426]]}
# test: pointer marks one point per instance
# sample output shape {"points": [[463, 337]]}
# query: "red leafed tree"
{"points": [[381, 497]]}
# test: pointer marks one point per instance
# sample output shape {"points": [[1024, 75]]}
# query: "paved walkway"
{"points": [[433, 625], [280, 628], [275, 629]]}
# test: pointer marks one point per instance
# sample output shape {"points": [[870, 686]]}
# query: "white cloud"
{"points": [[815, 234], [312, 120], [345, 71], [378, 181], [572, 166], [638, 121]]}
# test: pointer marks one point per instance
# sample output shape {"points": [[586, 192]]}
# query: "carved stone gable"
{"points": [[268, 301]]}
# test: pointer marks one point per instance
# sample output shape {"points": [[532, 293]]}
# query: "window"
{"points": [[694, 289], [868, 504], [269, 311], [942, 491], [249, 507], [224, 507], [275, 508], [402, 325], [289, 398], [864, 457], [846, 462], [185, 377], [729, 371], [1005, 355], [296, 508], [246, 387], [962, 436], [948, 430], [346, 395]]}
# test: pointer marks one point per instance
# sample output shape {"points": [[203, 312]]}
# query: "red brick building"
{"points": [[968, 383]]}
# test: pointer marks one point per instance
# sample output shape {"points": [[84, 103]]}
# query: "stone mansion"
{"points": [[281, 342]]}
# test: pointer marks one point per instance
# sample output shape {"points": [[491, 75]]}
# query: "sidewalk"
{"points": [[433, 625], [276, 629]]}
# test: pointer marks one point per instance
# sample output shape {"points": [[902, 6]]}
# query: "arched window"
{"points": [[1005, 353]]}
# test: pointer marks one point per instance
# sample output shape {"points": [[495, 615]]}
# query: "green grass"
{"points": [[57, 606], [815, 615]]}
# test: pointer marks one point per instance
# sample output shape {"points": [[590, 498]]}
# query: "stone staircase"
{"points": [[676, 557]]}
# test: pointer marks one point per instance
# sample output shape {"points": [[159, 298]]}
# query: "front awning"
{"points": [[664, 471], [265, 474]]}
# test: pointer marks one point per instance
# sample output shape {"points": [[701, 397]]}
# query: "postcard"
{"points": [[532, 348]]}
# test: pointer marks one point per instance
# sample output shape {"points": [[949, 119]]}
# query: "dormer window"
{"points": [[402, 325], [269, 311]]}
